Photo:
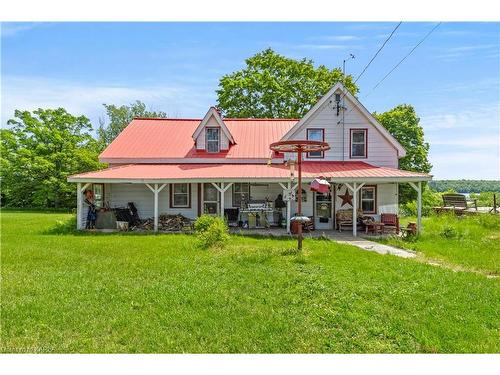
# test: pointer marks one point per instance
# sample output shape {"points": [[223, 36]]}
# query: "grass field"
{"points": [[466, 242], [136, 293]]}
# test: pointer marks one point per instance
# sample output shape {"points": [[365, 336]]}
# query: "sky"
{"points": [[452, 79]]}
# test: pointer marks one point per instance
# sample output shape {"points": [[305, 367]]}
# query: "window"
{"points": [[210, 199], [358, 143], [304, 195], [212, 139], [315, 135], [180, 195], [98, 195], [241, 193], [369, 199]]}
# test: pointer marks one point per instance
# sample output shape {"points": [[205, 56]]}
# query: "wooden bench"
{"points": [[456, 203]]}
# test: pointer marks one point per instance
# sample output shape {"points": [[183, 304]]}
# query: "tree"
{"points": [[403, 123], [40, 151], [119, 118], [273, 86]]}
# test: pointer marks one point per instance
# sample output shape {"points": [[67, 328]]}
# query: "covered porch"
{"points": [[248, 202]]}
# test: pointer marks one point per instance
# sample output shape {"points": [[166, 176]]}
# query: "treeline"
{"points": [[465, 186], [40, 149]]}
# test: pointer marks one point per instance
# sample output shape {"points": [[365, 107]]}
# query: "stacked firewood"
{"points": [[166, 222]]}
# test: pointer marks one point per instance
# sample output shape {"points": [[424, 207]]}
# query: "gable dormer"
{"points": [[212, 134]]}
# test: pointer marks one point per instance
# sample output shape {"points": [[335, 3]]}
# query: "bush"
{"points": [[63, 227], [211, 231], [449, 232], [429, 199]]}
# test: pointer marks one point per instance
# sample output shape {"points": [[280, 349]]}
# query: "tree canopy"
{"points": [[119, 118], [40, 150], [274, 86], [403, 123]]}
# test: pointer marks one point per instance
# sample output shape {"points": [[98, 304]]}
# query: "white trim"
{"points": [[213, 112], [338, 86], [418, 188], [374, 180], [354, 188]]}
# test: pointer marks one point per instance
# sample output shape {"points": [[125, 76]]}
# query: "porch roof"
{"points": [[337, 171]]}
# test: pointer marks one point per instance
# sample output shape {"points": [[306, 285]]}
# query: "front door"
{"points": [[211, 198], [323, 211]]}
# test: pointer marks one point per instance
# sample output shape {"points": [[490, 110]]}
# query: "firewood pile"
{"points": [[166, 222]]}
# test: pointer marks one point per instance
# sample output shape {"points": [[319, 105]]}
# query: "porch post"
{"points": [[419, 207], [354, 188], [418, 188], [155, 192], [222, 190], [222, 200], [79, 206], [354, 211], [288, 209], [79, 203]]}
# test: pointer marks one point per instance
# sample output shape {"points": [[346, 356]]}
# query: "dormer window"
{"points": [[213, 139], [212, 135]]}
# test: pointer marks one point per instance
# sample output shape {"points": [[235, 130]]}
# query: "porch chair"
{"points": [[391, 222], [343, 218]]}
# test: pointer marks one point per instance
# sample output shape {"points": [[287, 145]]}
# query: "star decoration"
{"points": [[346, 198]]}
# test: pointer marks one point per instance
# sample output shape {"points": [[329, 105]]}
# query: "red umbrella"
{"points": [[299, 146]]}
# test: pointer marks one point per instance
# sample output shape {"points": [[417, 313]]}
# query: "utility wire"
{"points": [[372, 59], [380, 49], [399, 63], [404, 58]]}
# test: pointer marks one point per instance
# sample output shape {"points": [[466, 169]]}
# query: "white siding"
{"points": [[387, 199], [380, 151]]}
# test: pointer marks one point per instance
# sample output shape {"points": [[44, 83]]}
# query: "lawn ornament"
{"points": [[299, 146], [320, 185]]}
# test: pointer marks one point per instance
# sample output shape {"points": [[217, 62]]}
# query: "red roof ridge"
{"points": [[224, 118]]}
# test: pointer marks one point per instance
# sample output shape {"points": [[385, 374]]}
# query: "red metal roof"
{"points": [[171, 138], [333, 170]]}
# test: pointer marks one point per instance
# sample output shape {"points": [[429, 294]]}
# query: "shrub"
{"points": [[429, 199], [449, 232], [63, 227], [211, 231]]}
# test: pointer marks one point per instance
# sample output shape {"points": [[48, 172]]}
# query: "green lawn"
{"points": [[136, 293], [467, 242]]}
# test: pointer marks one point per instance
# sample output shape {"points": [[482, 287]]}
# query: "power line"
{"points": [[366, 67], [404, 58], [399, 63], [380, 49]]}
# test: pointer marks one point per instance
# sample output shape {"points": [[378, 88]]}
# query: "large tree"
{"points": [[39, 151], [119, 118], [403, 123], [272, 85]]}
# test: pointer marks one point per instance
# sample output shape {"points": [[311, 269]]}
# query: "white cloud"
{"points": [[469, 165], [476, 116], [11, 29], [339, 38], [323, 46], [29, 93]]}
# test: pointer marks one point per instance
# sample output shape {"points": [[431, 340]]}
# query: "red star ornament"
{"points": [[346, 198]]}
